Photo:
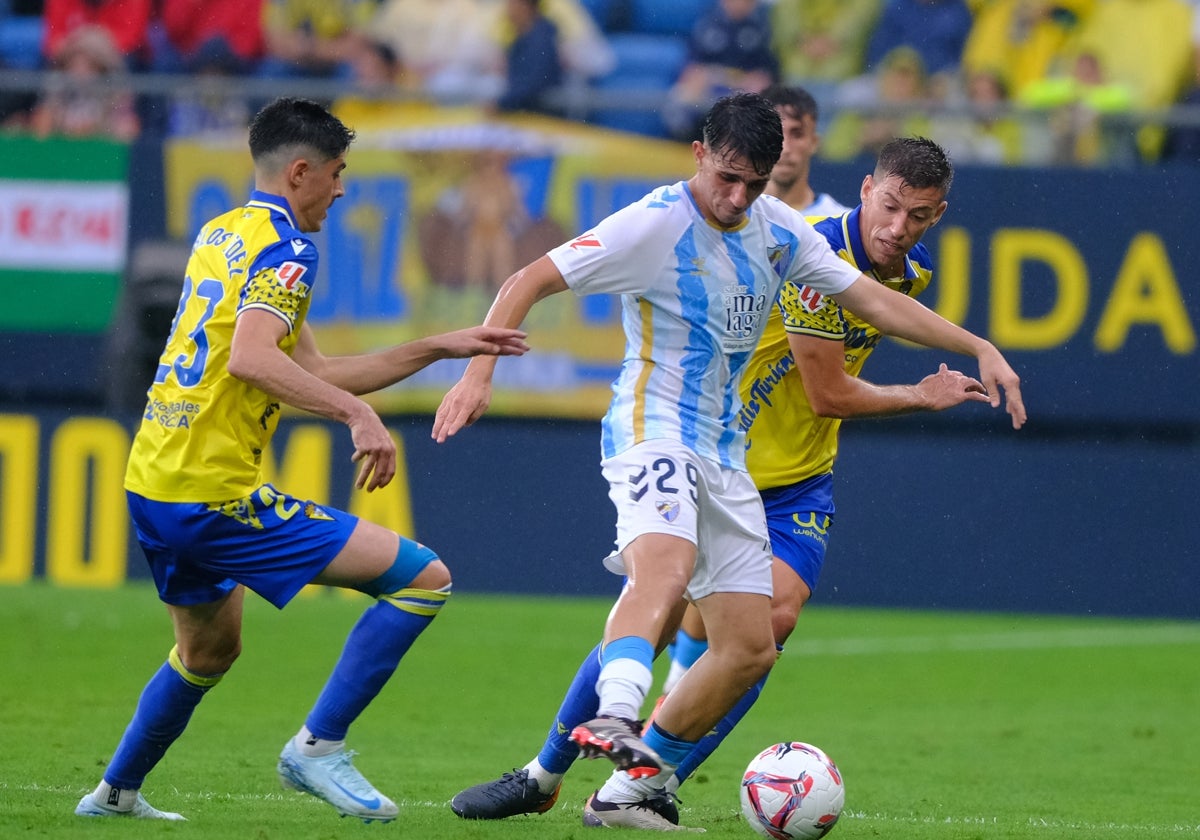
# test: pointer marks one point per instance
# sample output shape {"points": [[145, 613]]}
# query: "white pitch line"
{"points": [[1176, 829], [1030, 822], [1169, 634]]}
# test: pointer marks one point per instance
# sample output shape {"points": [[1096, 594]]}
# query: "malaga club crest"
{"points": [[668, 510]]}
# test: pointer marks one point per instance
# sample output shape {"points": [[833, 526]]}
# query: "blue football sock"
{"points": [[163, 712], [373, 650], [707, 745], [578, 706], [670, 748], [686, 650]]}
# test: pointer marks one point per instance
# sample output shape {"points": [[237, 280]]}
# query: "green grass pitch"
{"points": [[946, 726]]}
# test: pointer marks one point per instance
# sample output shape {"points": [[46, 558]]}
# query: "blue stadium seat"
{"points": [[646, 64], [667, 17], [21, 42]]}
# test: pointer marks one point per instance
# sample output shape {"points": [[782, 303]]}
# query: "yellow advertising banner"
{"points": [[440, 207]]}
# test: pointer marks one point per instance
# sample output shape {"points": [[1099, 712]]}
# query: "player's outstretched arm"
{"points": [[368, 372], [470, 397], [832, 392], [900, 315]]}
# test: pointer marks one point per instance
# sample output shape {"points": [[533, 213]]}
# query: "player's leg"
{"points": [[410, 585], [799, 518], [658, 567], [534, 788], [791, 593], [741, 651], [689, 645], [731, 586], [207, 641]]}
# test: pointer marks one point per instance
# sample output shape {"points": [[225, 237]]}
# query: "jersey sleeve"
{"points": [[622, 251], [808, 312], [815, 264], [281, 280]]}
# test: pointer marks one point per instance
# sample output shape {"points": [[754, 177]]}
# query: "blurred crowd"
{"points": [[1079, 82]]}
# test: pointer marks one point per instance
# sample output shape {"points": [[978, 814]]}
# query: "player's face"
{"points": [[320, 185], [894, 218], [800, 141], [725, 185]]}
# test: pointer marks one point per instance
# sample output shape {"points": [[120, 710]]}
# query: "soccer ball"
{"points": [[792, 790]]}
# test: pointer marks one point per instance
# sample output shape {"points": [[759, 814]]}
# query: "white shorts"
{"points": [[662, 487]]}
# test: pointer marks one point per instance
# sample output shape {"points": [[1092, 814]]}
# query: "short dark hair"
{"points": [[745, 124], [296, 124], [796, 101], [918, 161]]}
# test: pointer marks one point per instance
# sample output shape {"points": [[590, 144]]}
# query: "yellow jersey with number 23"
{"points": [[203, 431]]}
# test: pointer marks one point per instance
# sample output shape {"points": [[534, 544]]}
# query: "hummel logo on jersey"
{"points": [[298, 245], [586, 240]]}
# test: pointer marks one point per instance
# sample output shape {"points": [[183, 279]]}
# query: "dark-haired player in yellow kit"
{"points": [[210, 526]]}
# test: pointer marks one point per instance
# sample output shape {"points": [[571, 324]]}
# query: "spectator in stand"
{"points": [[532, 66], [1078, 99], [1128, 56], [85, 98], [1020, 40], [981, 130], [822, 40], [936, 29], [582, 48], [127, 23], [455, 49], [313, 37], [1182, 142], [211, 105], [200, 35], [382, 92], [1146, 44], [894, 108], [447, 47], [729, 50]]}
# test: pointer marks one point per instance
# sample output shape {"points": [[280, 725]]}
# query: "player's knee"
{"points": [[415, 565], [204, 665], [436, 575]]}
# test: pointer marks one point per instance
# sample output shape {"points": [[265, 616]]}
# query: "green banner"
{"points": [[64, 206]]}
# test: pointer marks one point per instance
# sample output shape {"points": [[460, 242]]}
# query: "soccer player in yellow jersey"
{"points": [[209, 525]]}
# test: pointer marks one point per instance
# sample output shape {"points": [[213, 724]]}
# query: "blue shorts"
{"points": [[798, 519], [270, 542]]}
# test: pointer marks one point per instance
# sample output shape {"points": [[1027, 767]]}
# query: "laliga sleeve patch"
{"points": [[289, 275], [810, 299]]}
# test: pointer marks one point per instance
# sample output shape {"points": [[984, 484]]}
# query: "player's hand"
{"points": [[948, 388], [374, 450], [483, 341], [996, 375], [463, 404]]}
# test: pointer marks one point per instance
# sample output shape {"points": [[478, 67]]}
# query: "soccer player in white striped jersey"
{"points": [[698, 264]]}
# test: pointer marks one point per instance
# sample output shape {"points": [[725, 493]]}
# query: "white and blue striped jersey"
{"points": [[694, 300]]}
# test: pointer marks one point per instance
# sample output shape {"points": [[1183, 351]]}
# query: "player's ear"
{"points": [[296, 172], [937, 216], [865, 189]]}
